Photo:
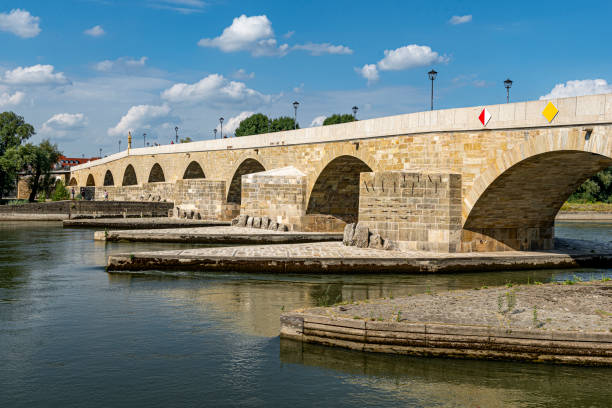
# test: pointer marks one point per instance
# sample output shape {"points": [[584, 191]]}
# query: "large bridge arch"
{"points": [[335, 191], [513, 203], [73, 182], [246, 165], [129, 176], [156, 175], [109, 180], [91, 182], [194, 171]]}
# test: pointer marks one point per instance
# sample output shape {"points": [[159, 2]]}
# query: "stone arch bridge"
{"points": [[436, 180]]}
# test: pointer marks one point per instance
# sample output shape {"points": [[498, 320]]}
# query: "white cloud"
{"points": [[324, 48], [122, 63], [318, 121], [7, 99], [35, 75], [289, 34], [20, 22], [95, 31], [252, 34], [181, 6], [60, 125], [213, 87], [460, 19], [409, 56], [579, 88], [369, 72], [299, 89], [243, 74], [230, 125], [142, 117]]}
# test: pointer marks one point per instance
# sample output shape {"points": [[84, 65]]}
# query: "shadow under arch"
{"points": [[517, 210], [247, 166], [73, 182], [109, 180], [336, 189], [129, 176], [193, 171], [90, 181], [156, 175]]}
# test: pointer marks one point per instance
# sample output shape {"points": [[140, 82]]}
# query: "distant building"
{"points": [[65, 163]]}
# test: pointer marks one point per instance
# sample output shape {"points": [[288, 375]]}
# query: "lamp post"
{"points": [[144, 139], [215, 132], [119, 144], [100, 152], [221, 122], [176, 134], [432, 76], [508, 85], [295, 106], [269, 124], [355, 109]]}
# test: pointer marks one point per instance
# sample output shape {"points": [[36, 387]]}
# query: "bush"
{"points": [[17, 202], [60, 192], [337, 118], [41, 197]]}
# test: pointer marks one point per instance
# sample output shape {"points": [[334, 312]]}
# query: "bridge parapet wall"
{"points": [[204, 197], [419, 211]]}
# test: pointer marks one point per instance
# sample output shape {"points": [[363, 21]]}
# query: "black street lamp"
{"points": [[176, 134], [215, 132], [100, 152], [221, 122], [432, 76], [144, 139], [269, 124], [355, 109], [508, 85], [119, 144], [295, 106]]}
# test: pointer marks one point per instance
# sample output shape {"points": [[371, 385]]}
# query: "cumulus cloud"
{"points": [[95, 31], [20, 22], [406, 57], [35, 75], [230, 125], [142, 117], [460, 19], [318, 121], [213, 87], [252, 34], [369, 72], [122, 63], [324, 48], [61, 124], [6, 99], [243, 74], [579, 88]]}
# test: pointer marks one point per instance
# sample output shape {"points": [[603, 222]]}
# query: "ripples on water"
{"points": [[72, 335]]}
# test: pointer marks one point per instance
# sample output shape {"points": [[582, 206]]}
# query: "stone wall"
{"points": [[91, 209], [146, 192], [204, 197], [418, 211]]}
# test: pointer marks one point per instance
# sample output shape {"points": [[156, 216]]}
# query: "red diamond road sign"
{"points": [[484, 117]]}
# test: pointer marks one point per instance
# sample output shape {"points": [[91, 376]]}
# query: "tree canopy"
{"points": [[596, 189], [13, 132], [259, 123], [338, 118], [40, 160]]}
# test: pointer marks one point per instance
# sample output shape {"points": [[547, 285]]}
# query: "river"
{"points": [[72, 335]]}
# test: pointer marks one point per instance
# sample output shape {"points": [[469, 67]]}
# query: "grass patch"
{"points": [[582, 207]]}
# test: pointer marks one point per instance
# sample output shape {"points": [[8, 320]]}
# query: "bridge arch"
{"points": [[194, 171], [109, 179], [129, 176], [73, 182], [91, 182], [512, 204], [336, 189], [247, 166], [156, 175]]}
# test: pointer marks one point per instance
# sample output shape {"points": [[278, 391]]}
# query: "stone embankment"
{"points": [[264, 223], [359, 235], [561, 323], [61, 210], [141, 223]]}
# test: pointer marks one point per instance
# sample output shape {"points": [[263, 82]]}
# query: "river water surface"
{"points": [[72, 335]]}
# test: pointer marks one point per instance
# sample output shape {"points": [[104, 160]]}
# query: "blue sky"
{"points": [[84, 72]]}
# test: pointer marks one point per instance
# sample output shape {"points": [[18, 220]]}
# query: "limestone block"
{"points": [[256, 222], [198, 216], [273, 226], [389, 245], [376, 242], [361, 237], [235, 221], [283, 227], [349, 231], [249, 223], [265, 222], [242, 220]]}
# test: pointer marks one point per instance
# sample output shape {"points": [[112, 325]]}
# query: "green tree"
{"points": [[60, 192], [338, 118], [283, 123], [13, 132], [186, 140], [253, 125], [40, 160], [596, 189]]}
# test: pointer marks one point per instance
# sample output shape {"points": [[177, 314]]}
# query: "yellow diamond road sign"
{"points": [[550, 111]]}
